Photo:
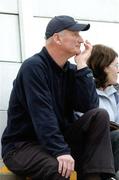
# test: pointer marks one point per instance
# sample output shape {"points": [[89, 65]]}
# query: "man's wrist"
{"points": [[81, 66]]}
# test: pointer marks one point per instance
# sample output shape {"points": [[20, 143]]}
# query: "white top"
{"points": [[107, 101]]}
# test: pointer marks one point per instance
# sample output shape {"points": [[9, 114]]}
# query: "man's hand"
{"points": [[66, 165], [82, 57]]}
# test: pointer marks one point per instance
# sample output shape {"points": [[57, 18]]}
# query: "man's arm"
{"points": [[85, 96]]}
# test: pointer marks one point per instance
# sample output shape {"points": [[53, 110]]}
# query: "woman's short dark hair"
{"points": [[101, 57]]}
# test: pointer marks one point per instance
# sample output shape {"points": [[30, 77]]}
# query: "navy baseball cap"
{"points": [[60, 23]]}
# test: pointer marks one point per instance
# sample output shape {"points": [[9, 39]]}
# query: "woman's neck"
{"points": [[103, 88]]}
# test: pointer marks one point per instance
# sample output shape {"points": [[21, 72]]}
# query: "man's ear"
{"points": [[56, 38]]}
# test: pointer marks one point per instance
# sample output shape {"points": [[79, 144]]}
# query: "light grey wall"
{"points": [[9, 6], [10, 54], [98, 10]]}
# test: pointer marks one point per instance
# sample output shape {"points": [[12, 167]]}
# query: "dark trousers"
{"points": [[115, 148], [89, 139]]}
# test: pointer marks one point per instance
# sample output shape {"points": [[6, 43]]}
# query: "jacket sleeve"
{"points": [[85, 95], [40, 107]]}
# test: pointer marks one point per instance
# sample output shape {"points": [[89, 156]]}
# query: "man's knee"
{"points": [[49, 170], [99, 119], [100, 111], [101, 115]]}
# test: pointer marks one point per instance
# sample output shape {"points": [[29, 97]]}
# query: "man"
{"points": [[43, 139]]}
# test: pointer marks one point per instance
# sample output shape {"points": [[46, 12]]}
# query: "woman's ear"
{"points": [[106, 70]]}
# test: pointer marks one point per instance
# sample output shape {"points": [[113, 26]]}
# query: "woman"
{"points": [[105, 66]]}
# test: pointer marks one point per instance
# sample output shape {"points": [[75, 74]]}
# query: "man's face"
{"points": [[70, 42]]}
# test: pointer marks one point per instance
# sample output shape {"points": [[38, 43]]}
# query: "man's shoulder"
{"points": [[35, 61]]}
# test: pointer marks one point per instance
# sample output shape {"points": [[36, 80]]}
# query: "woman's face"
{"points": [[112, 72]]}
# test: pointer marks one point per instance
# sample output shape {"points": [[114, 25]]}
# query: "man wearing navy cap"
{"points": [[43, 139]]}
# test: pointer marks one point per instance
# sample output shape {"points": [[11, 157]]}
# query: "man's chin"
{"points": [[78, 50]]}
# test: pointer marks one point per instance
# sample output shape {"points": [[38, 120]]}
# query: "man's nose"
{"points": [[81, 39]]}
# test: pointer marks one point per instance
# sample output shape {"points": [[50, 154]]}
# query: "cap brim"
{"points": [[79, 27]]}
